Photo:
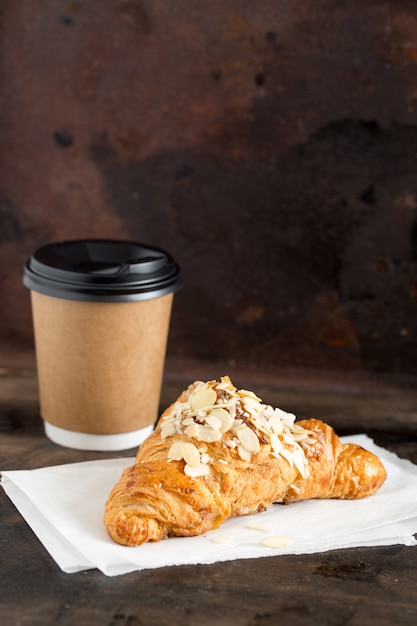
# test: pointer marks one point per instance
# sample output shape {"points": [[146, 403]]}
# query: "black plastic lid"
{"points": [[102, 270]]}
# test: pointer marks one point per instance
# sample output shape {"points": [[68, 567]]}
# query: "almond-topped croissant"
{"points": [[219, 452]]}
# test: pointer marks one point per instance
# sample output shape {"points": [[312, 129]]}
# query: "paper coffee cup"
{"points": [[101, 312]]}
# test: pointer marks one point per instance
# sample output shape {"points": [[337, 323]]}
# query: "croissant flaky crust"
{"points": [[219, 452]]}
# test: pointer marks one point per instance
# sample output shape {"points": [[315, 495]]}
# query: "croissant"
{"points": [[219, 452]]}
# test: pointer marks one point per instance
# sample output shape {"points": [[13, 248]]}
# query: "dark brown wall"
{"points": [[270, 146]]}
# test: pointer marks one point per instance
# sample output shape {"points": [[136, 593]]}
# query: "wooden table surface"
{"points": [[375, 586]]}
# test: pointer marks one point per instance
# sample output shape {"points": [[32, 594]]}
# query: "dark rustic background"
{"points": [[270, 146]]}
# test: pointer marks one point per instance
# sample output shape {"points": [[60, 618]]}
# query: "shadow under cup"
{"points": [[101, 313]]}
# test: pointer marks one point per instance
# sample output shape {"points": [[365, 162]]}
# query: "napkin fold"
{"points": [[64, 507]]}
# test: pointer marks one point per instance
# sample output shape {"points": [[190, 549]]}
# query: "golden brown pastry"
{"points": [[219, 452]]}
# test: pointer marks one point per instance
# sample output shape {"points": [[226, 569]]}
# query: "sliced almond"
{"points": [[276, 443], [276, 423], [277, 542], [224, 418], [248, 439], [288, 456], [180, 407], [202, 398], [168, 429], [213, 421], [252, 405], [175, 451], [187, 421], [226, 379], [262, 428], [300, 462], [309, 441], [289, 420], [244, 454], [220, 540], [286, 417], [194, 471], [193, 430], [299, 436], [263, 422], [249, 394], [190, 454], [222, 385], [208, 434], [167, 418], [238, 423], [227, 385], [299, 429]]}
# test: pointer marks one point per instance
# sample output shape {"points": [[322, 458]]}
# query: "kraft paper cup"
{"points": [[101, 313]]}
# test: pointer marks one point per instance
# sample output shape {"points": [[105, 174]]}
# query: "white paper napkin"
{"points": [[64, 507]]}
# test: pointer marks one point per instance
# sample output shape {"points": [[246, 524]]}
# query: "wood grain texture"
{"points": [[356, 587]]}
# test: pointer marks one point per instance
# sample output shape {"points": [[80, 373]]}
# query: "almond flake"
{"points": [[167, 430], [249, 394], [208, 434], [237, 423], [300, 462], [262, 428], [309, 440], [248, 439], [222, 385], [197, 470], [175, 452], [277, 542], [221, 539], [288, 456], [181, 407], [190, 454], [244, 454], [213, 421], [263, 419], [286, 417], [224, 418], [299, 429], [276, 424], [299, 436], [276, 443], [251, 405], [193, 431], [204, 398], [226, 385], [187, 421]]}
